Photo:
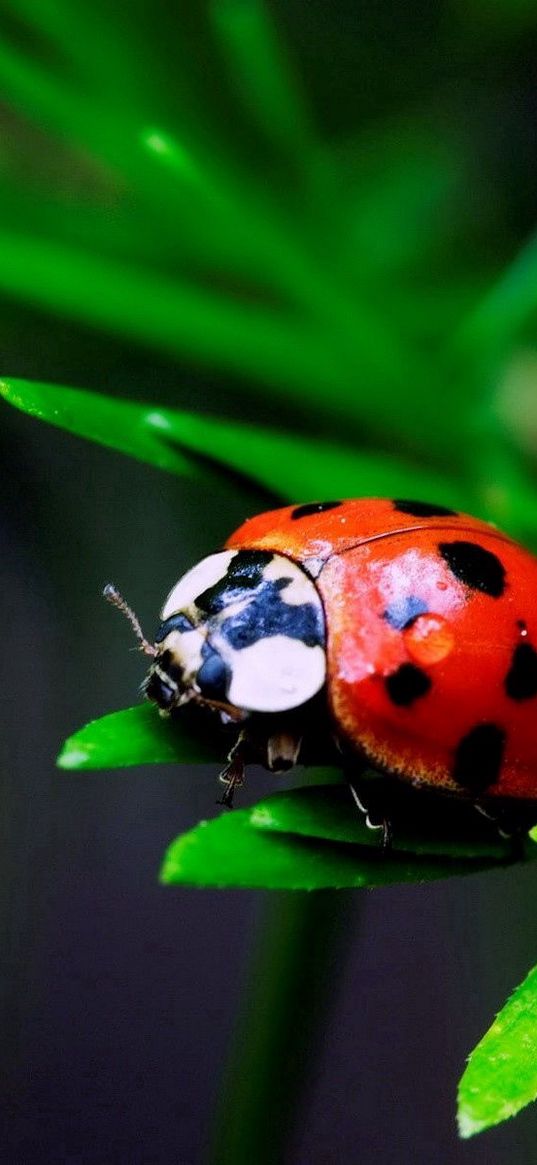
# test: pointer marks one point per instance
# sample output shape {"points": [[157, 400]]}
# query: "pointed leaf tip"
{"points": [[139, 736], [72, 757], [501, 1076], [468, 1127]]}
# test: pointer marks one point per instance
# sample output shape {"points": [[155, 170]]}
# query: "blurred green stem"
{"points": [[295, 975]]}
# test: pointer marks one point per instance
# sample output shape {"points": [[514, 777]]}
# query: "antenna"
{"points": [[113, 596]]}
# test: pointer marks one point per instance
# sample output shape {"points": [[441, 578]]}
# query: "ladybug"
{"points": [[404, 631]]}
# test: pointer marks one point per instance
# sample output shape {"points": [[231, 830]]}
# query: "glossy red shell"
{"points": [[451, 688]]}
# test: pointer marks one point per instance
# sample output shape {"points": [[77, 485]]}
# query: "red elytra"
{"points": [[431, 620]]}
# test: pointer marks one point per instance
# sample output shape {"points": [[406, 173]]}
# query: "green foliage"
{"points": [[313, 838], [341, 271], [308, 838], [294, 466], [501, 1077], [419, 824], [137, 736], [337, 271], [234, 851]]}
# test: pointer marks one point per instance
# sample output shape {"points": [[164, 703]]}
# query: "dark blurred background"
{"points": [[120, 997]]}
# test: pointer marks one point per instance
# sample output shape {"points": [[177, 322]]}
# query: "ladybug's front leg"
{"points": [[277, 752], [232, 774]]}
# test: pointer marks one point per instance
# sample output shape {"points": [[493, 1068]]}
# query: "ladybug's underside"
{"points": [[431, 625]]}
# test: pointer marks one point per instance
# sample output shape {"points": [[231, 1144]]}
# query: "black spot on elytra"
{"points": [[423, 509], [474, 566], [243, 575], [407, 684], [402, 612], [178, 622], [313, 508], [478, 758], [214, 675], [521, 679]]}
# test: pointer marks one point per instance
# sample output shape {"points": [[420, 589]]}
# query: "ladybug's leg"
{"points": [[513, 822], [233, 774], [383, 824], [278, 752], [361, 795]]}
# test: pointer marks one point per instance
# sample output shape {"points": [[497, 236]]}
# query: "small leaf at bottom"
{"points": [[501, 1077]]}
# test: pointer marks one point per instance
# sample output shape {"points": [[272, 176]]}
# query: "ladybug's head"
{"points": [[242, 632]]}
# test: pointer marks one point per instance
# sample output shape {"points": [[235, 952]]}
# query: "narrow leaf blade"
{"points": [[117, 424], [262, 74], [293, 466], [501, 1077], [173, 315]]}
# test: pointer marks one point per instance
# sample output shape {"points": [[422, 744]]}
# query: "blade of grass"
{"points": [[56, 103], [357, 347], [174, 317], [347, 359], [294, 356], [505, 309], [206, 208], [501, 1077], [399, 201], [94, 41], [231, 210], [106, 223], [117, 424], [262, 74], [295, 467]]}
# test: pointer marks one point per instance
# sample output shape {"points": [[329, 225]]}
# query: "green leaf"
{"points": [[294, 467], [102, 47], [139, 736], [501, 1077], [118, 424], [422, 822], [173, 315], [501, 315], [232, 850], [403, 186], [259, 69], [321, 351], [308, 838], [284, 315]]}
